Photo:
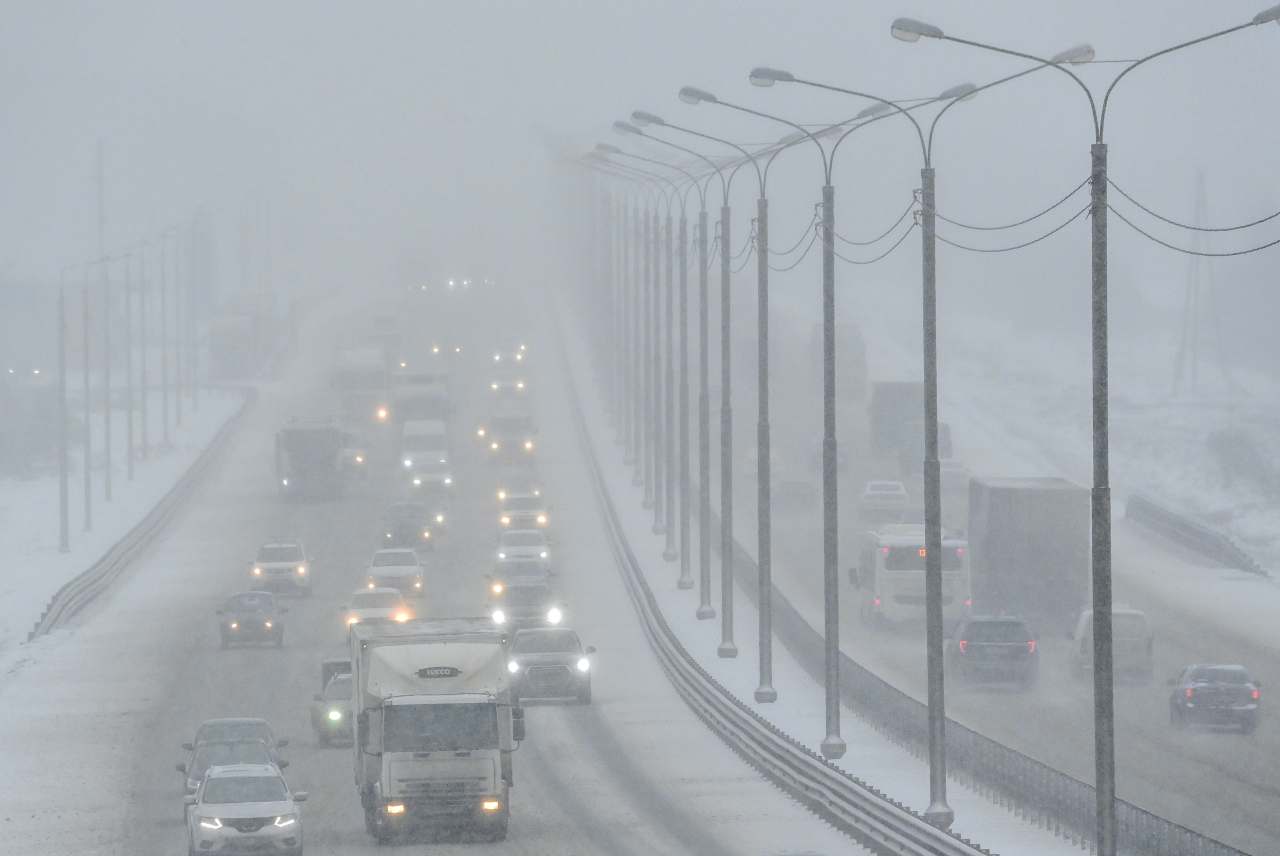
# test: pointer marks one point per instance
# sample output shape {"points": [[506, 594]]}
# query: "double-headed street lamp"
{"points": [[909, 30]]}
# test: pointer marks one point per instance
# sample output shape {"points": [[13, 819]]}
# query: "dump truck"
{"points": [[1029, 549], [435, 726]]}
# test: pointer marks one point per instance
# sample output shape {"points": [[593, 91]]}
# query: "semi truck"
{"points": [[435, 726], [309, 459], [1029, 549]]}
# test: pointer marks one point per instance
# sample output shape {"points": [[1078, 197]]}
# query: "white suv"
{"points": [[244, 807], [282, 565]]}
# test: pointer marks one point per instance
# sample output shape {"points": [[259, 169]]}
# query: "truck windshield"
{"points": [[439, 727]]}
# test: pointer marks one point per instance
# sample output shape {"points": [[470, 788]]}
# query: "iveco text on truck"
{"points": [[435, 725]]}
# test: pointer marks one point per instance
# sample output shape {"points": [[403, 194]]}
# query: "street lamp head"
{"points": [[1077, 55], [1268, 15], [627, 128], [877, 109], [694, 95], [910, 30], [765, 76], [958, 92], [607, 149], [642, 118]]}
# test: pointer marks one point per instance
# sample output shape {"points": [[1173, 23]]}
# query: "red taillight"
{"points": [[968, 601], [875, 601], [959, 551], [963, 645], [884, 551], [923, 552], [1257, 694], [1031, 646], [1189, 692]]}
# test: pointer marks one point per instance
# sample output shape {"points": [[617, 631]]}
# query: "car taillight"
{"points": [[1256, 694], [1031, 646], [963, 645], [968, 602], [1189, 692], [875, 602]]}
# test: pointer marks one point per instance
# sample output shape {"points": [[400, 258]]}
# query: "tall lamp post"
{"points": [[909, 30]]}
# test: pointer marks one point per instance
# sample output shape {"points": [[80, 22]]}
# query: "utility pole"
{"points": [[143, 346], [128, 366], [164, 340], [88, 410], [64, 523], [178, 276]]}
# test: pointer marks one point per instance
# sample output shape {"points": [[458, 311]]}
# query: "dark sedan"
{"points": [[1215, 695], [251, 616], [998, 648], [550, 663]]}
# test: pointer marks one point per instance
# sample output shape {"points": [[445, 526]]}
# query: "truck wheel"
{"points": [[280, 639], [584, 695], [1176, 718], [497, 832], [322, 737]]}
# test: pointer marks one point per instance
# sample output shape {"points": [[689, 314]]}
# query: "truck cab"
{"points": [[435, 726]]}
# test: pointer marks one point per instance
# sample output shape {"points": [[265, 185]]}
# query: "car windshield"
{"points": [[547, 642], [280, 553], [523, 539], [224, 731], [526, 595], [407, 511], [997, 631], [439, 727], [1219, 675], [912, 558], [244, 789], [523, 503], [392, 558], [375, 600], [237, 752], [251, 602], [509, 425], [339, 689]]}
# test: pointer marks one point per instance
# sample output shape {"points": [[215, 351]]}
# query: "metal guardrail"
{"points": [[80, 591], [1190, 534], [880, 823]]}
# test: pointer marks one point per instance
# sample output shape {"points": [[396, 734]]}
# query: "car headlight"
{"points": [[210, 823], [286, 820], [543, 554], [336, 715], [353, 619], [435, 349], [302, 570], [502, 495], [480, 432], [417, 482], [408, 462], [493, 386], [388, 534], [448, 479], [494, 445], [417, 584], [371, 584], [257, 572], [426, 533], [501, 555], [235, 625], [528, 445], [359, 459], [542, 520], [497, 588], [382, 414], [266, 624], [401, 617], [513, 666], [504, 520], [519, 384], [554, 615], [284, 482], [499, 617], [440, 517], [584, 665]]}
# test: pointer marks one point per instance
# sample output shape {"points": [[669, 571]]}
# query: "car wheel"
{"points": [[1249, 725], [1176, 717]]}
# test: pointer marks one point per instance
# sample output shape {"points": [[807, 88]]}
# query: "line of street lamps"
{"points": [[833, 746]]}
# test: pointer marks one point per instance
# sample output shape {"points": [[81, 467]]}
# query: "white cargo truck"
{"points": [[435, 726]]}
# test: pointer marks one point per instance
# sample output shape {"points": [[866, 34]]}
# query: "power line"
{"points": [[746, 260], [895, 246], [1048, 234], [1186, 251], [883, 234], [813, 237], [1164, 219], [1022, 222], [796, 245]]}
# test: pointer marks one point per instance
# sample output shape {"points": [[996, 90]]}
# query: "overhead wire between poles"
{"points": [[1187, 226], [1021, 222], [895, 246], [1184, 250], [1023, 245], [813, 238], [878, 238], [796, 245]]}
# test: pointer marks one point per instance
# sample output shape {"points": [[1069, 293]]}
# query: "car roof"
{"points": [[523, 532], [235, 720], [291, 542], [1234, 667], [522, 495], [396, 550], [226, 771], [990, 619], [545, 631]]}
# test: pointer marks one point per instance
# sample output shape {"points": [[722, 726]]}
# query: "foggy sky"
{"points": [[397, 139]]}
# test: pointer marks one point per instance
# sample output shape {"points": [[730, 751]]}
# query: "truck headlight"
{"points": [[504, 520], [381, 414], [257, 572], [408, 462], [401, 617], [417, 482], [335, 715], [210, 823], [494, 386], [542, 520], [440, 517], [497, 588], [426, 534], [554, 615], [490, 805], [513, 666], [528, 445], [448, 479], [417, 584], [302, 570], [395, 808], [501, 555], [499, 617], [543, 554], [353, 619], [584, 665]]}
